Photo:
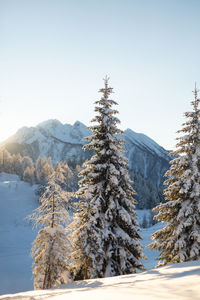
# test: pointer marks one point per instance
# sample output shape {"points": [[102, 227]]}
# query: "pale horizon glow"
{"points": [[55, 53]]}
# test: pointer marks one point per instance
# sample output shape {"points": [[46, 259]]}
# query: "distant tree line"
{"points": [[37, 173]]}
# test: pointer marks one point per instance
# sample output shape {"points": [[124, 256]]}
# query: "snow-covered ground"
{"points": [[17, 200], [175, 282]]}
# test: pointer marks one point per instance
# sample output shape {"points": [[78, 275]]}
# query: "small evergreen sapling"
{"points": [[179, 240], [51, 245], [106, 240]]}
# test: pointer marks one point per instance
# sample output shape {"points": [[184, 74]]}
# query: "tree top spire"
{"points": [[106, 90], [196, 101], [106, 79]]}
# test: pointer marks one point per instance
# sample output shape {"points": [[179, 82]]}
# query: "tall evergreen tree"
{"points": [[51, 244], [105, 238], [179, 240]]}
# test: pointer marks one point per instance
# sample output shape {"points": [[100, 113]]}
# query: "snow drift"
{"points": [[179, 281]]}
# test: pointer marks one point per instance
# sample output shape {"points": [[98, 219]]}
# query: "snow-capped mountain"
{"points": [[147, 160], [51, 138]]}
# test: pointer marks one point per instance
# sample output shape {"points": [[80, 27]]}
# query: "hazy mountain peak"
{"points": [[79, 124], [144, 141], [51, 123]]}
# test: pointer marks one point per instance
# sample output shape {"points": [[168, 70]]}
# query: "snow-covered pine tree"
{"points": [[179, 240], [43, 169], [5, 161], [68, 183], [29, 175], [51, 245], [17, 167], [106, 240]]}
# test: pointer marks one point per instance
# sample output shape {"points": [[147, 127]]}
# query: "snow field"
{"points": [[174, 282], [16, 235]]}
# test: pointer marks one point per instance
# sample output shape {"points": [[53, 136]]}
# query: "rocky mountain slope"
{"points": [[147, 160]]}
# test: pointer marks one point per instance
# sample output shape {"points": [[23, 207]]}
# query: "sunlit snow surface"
{"points": [[17, 200], [180, 281]]}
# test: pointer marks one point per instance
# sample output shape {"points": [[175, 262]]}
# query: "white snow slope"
{"points": [[180, 281], [17, 200]]}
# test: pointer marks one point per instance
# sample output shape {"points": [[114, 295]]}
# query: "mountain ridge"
{"points": [[148, 161], [69, 137]]}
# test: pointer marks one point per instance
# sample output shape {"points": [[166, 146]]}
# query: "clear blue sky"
{"points": [[54, 54]]}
